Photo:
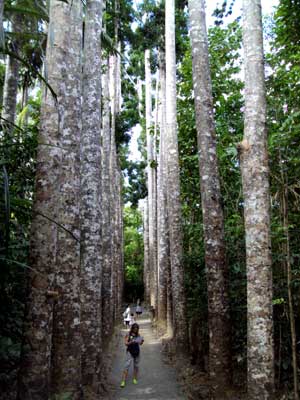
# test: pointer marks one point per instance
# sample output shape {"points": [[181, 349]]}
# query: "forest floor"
{"points": [[156, 381]]}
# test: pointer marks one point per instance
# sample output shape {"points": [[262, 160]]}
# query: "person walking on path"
{"points": [[126, 315], [133, 341], [138, 309]]}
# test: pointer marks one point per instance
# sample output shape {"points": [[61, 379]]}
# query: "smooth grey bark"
{"points": [[66, 340], [10, 89], [107, 211], [35, 371], [91, 261], [162, 211], [255, 180], [174, 206], [213, 219]]}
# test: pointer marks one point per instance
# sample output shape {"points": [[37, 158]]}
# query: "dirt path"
{"points": [[157, 380]]}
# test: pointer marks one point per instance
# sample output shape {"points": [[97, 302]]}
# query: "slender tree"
{"points": [[255, 179], [119, 240], [115, 189], [162, 216], [114, 169], [174, 206], [150, 180], [213, 220], [91, 262], [12, 69], [146, 251]]}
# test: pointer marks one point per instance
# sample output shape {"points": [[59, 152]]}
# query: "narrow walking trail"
{"points": [[157, 380]]}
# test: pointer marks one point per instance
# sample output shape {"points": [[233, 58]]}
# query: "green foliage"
{"points": [[18, 155], [136, 188], [284, 140], [133, 253]]}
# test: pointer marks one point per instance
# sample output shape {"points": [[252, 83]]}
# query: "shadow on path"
{"points": [[156, 381]]}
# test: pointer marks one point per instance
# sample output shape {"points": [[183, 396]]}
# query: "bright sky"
{"points": [[267, 8]]}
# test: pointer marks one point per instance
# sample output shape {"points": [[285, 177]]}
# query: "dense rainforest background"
{"points": [[85, 227]]}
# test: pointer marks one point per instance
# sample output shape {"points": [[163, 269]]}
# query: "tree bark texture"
{"points": [[255, 179], [66, 340], [213, 219], [120, 245], [10, 89], [91, 261], [162, 211], [107, 210], [115, 187], [146, 251], [34, 377], [174, 205], [150, 181]]}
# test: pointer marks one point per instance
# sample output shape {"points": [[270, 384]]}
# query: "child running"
{"points": [[133, 341]]}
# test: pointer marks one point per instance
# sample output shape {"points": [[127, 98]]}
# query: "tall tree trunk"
{"points": [[66, 340], [107, 211], [150, 181], [162, 215], [34, 377], [10, 89], [120, 263], [174, 206], [255, 179], [146, 251], [114, 175], [115, 92], [213, 219], [91, 262], [154, 189]]}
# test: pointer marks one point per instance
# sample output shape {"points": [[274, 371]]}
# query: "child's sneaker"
{"points": [[134, 381], [122, 384]]}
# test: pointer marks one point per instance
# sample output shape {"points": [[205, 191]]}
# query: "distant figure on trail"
{"points": [[152, 314], [133, 341], [126, 315], [132, 320], [138, 309]]}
